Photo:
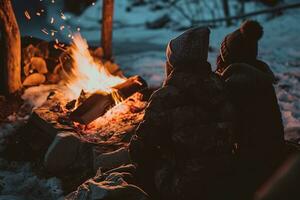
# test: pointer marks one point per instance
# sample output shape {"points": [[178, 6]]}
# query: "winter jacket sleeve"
{"points": [[154, 131]]}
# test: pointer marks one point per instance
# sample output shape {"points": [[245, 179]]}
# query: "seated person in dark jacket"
{"points": [[249, 84], [184, 147]]}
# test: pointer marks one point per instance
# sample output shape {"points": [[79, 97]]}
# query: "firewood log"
{"points": [[130, 86], [92, 108], [98, 103]]}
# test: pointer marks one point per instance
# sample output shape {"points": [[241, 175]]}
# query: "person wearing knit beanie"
{"points": [[183, 147], [249, 85], [240, 45]]}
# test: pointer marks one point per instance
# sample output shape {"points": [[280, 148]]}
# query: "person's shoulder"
{"points": [[165, 92], [246, 76], [164, 98], [265, 68]]}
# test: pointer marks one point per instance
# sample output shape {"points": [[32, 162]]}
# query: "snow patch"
{"points": [[18, 182]]}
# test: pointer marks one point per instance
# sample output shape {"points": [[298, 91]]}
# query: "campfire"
{"points": [[89, 89], [91, 101], [79, 104], [87, 75]]}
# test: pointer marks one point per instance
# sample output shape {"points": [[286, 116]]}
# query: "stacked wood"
{"points": [[98, 103]]}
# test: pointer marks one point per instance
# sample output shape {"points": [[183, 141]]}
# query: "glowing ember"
{"points": [[45, 31], [27, 15], [87, 75], [62, 15]]}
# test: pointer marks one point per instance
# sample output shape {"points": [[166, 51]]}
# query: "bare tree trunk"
{"points": [[10, 60], [226, 12], [107, 26]]}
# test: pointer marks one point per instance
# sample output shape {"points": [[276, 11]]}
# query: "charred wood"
{"points": [[98, 103], [130, 86], [95, 106]]}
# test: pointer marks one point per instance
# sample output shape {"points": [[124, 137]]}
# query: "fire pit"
{"points": [[84, 108], [90, 105]]}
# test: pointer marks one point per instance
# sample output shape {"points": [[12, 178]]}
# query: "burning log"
{"points": [[98, 103], [130, 86], [95, 106], [10, 49]]}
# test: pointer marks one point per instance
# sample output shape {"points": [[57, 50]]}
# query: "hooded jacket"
{"points": [[260, 130], [185, 143], [250, 89]]}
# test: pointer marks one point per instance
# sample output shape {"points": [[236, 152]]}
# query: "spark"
{"points": [[59, 46], [52, 20], [93, 3], [53, 32], [38, 14], [27, 15], [63, 16], [62, 28], [45, 31], [78, 29]]}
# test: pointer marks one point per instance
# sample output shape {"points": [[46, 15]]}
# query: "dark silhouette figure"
{"points": [[249, 84], [184, 148]]}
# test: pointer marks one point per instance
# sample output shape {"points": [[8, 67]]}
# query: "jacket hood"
{"points": [[189, 50], [247, 77]]}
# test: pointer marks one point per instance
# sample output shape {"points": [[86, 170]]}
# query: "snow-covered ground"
{"points": [[18, 182], [142, 51]]}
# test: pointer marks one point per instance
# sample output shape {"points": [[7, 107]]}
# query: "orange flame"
{"points": [[86, 74]]}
